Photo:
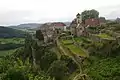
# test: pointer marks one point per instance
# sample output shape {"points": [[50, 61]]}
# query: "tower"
{"points": [[77, 28], [78, 19]]}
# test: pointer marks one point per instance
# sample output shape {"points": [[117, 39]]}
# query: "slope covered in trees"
{"points": [[6, 32]]}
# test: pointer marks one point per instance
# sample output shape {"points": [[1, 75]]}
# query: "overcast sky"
{"points": [[13, 12]]}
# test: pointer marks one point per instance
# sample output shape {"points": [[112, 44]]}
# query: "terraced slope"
{"points": [[73, 48]]}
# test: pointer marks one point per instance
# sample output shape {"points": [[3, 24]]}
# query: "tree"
{"points": [[39, 35], [58, 69], [89, 14], [102, 19], [70, 63], [47, 59]]}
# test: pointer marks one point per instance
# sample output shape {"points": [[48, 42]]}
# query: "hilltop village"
{"points": [[82, 39], [76, 28], [86, 49]]}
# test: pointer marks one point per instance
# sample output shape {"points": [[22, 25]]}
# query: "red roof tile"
{"points": [[92, 22]]}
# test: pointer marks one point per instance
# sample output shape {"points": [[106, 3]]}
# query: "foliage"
{"points": [[7, 52], [6, 32], [67, 42], [104, 48], [116, 27], [72, 66], [12, 40], [39, 35], [47, 59], [19, 70], [10, 46], [112, 23], [76, 50], [58, 69], [101, 66], [93, 30], [104, 68], [103, 35], [103, 18], [89, 14]]}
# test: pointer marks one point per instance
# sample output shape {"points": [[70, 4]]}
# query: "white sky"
{"points": [[31, 11]]}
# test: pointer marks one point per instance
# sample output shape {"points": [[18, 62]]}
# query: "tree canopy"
{"points": [[89, 14]]}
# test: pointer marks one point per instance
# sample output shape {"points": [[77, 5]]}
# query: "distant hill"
{"points": [[26, 26], [6, 32], [67, 23], [31, 25]]}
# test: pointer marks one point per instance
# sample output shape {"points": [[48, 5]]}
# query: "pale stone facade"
{"points": [[76, 27]]}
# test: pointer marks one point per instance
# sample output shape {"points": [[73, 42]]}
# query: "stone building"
{"points": [[49, 30], [58, 25], [77, 28]]}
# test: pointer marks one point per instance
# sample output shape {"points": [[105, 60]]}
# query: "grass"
{"points": [[7, 41], [78, 39], [76, 50], [104, 36], [67, 41], [7, 52], [12, 40], [82, 39], [55, 49]]}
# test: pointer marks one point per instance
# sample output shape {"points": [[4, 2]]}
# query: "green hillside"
{"points": [[6, 32]]}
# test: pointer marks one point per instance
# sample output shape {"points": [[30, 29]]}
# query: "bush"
{"points": [[58, 69], [72, 66], [47, 59]]}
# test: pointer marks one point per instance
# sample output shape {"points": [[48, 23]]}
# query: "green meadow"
{"points": [[9, 45]]}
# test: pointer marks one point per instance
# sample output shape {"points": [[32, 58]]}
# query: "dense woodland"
{"points": [[6, 32]]}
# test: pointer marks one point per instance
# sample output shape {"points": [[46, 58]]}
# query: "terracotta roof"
{"points": [[92, 22], [58, 24]]}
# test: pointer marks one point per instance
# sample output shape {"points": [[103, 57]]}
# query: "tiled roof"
{"points": [[58, 24], [92, 22]]}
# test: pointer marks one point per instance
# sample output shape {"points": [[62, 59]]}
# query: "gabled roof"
{"points": [[92, 22], [58, 24]]}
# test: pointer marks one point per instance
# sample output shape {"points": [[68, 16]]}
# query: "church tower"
{"points": [[78, 19], [77, 28]]}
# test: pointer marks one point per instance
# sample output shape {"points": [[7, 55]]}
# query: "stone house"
{"points": [[49, 29], [58, 25]]}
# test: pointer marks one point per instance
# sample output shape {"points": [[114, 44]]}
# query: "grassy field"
{"points": [[105, 36], [82, 39], [6, 41], [74, 49], [7, 52], [77, 39], [12, 40], [67, 41]]}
